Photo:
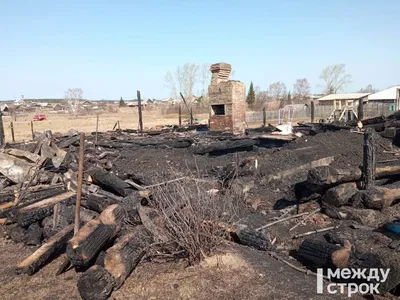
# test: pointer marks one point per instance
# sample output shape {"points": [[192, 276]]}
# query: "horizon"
{"points": [[111, 50]]}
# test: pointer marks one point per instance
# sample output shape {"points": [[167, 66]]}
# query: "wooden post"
{"points": [[369, 165], [312, 111], [12, 131], [264, 117], [80, 177], [1, 129], [33, 135], [119, 127], [180, 115], [140, 112], [191, 116], [97, 129], [360, 109]]}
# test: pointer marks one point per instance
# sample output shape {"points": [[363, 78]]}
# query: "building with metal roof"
{"points": [[390, 95], [349, 96]]}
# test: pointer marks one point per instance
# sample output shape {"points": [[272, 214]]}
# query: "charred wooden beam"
{"points": [[293, 170], [329, 176], [124, 256], [376, 120], [69, 141], [109, 181], [39, 210], [369, 164], [225, 147], [42, 255]]}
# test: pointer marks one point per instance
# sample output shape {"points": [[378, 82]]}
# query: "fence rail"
{"points": [[320, 112]]}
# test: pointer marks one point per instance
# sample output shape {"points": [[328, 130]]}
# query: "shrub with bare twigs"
{"points": [[197, 217]]}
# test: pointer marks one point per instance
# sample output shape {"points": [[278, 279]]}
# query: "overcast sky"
{"points": [[113, 48]]}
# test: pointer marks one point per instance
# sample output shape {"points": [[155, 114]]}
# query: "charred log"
{"points": [[340, 195], [95, 284], [376, 198], [110, 181], [94, 236], [123, 257], [97, 203], [252, 238]]}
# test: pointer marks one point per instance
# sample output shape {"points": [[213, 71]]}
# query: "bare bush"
{"points": [[301, 91], [368, 89], [73, 97], [196, 217], [111, 109], [261, 99], [277, 92]]}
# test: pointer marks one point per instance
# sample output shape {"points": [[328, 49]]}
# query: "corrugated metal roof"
{"points": [[350, 96], [388, 94]]}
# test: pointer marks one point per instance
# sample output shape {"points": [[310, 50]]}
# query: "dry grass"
{"points": [[128, 118]]}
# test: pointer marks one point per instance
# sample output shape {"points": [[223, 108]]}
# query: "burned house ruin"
{"points": [[227, 100]]}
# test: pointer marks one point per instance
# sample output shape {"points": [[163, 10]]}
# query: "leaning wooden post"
{"points": [[140, 112], [369, 164], [12, 131], [1, 129], [80, 178], [180, 115], [264, 116], [33, 135], [97, 130], [360, 111], [312, 111]]}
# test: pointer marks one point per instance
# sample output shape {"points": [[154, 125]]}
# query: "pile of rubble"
{"points": [[315, 182]]}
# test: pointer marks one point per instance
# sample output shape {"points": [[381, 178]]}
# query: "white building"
{"points": [[390, 95]]}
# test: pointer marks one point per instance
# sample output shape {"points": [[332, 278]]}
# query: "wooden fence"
{"points": [[320, 112]]}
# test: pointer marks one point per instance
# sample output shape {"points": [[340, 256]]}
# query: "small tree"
{"points": [[183, 80], [289, 98], [121, 102], [335, 78], [251, 96]]}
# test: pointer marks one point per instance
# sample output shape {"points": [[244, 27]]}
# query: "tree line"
{"points": [[185, 79]]}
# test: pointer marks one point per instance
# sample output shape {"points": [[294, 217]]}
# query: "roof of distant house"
{"points": [[388, 94], [4, 107], [350, 96]]}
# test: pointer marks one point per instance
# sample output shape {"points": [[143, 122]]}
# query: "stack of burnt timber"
{"points": [[368, 196], [117, 225], [341, 193]]}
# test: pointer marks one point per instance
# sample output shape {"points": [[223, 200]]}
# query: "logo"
{"points": [[368, 281]]}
